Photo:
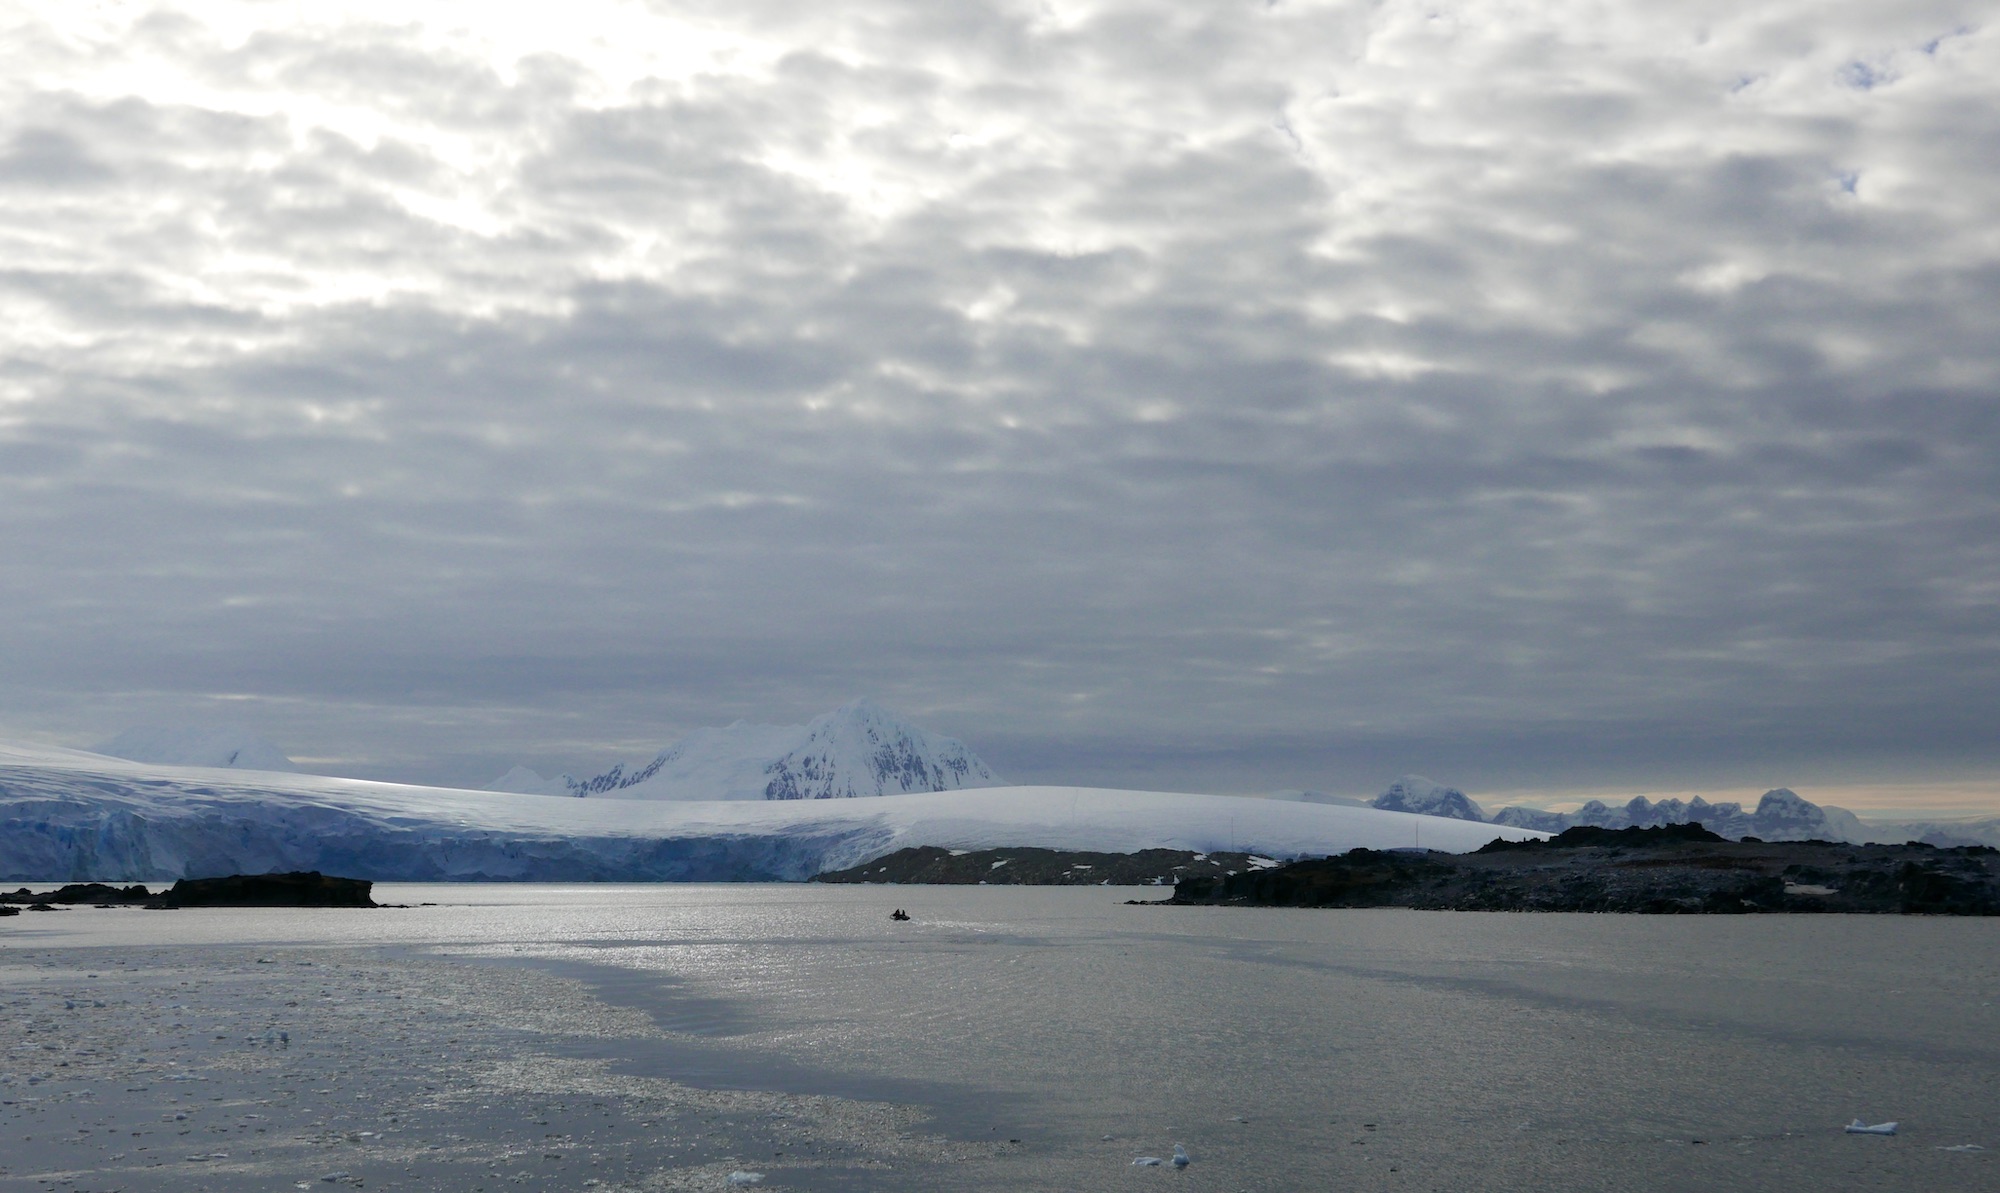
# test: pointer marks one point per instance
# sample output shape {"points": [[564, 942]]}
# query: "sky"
{"points": [[1544, 397]]}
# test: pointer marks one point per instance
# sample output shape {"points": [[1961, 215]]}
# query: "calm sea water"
{"points": [[1285, 1048]]}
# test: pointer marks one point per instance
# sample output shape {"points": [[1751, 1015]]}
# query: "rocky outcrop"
{"points": [[1042, 867], [1665, 869], [82, 892], [301, 888]]}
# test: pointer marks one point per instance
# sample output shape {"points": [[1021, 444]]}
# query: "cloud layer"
{"points": [[1235, 395]]}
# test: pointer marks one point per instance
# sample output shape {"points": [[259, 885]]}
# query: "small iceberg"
{"points": [[746, 1178], [1148, 1162], [1180, 1156], [1857, 1127]]}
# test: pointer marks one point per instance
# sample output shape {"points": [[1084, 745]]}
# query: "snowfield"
{"points": [[71, 816]]}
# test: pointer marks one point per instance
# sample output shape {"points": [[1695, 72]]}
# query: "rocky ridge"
{"points": [[303, 888], [1043, 867], [1666, 869]]}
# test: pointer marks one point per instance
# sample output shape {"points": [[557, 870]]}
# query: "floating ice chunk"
{"points": [[1180, 1156], [1963, 1147], [1857, 1127], [746, 1178], [1148, 1162]]}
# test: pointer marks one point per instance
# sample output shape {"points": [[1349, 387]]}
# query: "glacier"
{"points": [[68, 815], [859, 749]]}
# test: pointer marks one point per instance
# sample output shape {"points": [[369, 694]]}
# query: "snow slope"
{"points": [[858, 749], [212, 745], [66, 815]]}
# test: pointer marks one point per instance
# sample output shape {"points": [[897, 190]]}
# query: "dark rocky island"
{"points": [[96, 893], [1043, 867], [303, 888], [1678, 869]]}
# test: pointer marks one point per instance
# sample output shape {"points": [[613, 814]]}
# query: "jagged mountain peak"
{"points": [[863, 749]]}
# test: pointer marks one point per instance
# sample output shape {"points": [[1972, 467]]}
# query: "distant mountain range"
{"points": [[858, 749], [1781, 814], [862, 749]]}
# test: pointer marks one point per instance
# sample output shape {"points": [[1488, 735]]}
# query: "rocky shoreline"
{"points": [[1025, 866], [1680, 869]]}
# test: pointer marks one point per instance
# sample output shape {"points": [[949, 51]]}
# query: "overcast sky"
{"points": [[1208, 396]]}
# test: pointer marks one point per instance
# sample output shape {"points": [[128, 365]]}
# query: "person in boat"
{"points": [[899, 914]]}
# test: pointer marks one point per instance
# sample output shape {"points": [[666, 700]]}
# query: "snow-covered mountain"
{"points": [[227, 746], [1414, 793], [70, 816], [858, 749]]}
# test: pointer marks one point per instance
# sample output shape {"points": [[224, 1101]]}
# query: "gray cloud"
{"points": [[1240, 397]]}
